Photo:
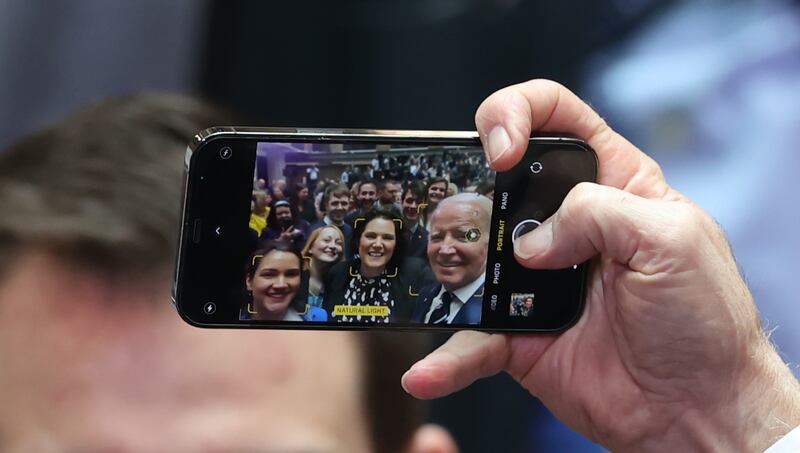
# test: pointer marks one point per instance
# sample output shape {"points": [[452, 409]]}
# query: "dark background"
{"points": [[395, 64]]}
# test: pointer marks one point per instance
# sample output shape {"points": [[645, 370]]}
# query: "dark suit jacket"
{"points": [[417, 245], [470, 312], [412, 275]]}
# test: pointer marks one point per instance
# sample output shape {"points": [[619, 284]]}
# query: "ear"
{"points": [[432, 439], [249, 283]]}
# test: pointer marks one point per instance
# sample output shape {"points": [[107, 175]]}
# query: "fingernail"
{"points": [[535, 243], [499, 143], [403, 380]]}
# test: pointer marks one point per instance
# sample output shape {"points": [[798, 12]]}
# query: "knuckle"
{"points": [[579, 205], [687, 225], [582, 197], [547, 84]]}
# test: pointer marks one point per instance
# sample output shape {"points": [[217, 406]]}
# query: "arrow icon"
{"points": [[217, 230]]}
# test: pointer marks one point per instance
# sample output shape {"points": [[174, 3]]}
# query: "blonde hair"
{"points": [[305, 253]]}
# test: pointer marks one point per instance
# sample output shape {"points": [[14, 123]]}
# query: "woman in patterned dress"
{"points": [[379, 285]]}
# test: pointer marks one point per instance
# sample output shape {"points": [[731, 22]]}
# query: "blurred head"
{"points": [[528, 302], [299, 193], [337, 202], [319, 206], [95, 359], [413, 196], [437, 190], [325, 245], [261, 200], [273, 278], [378, 238], [354, 190], [367, 194], [390, 192], [486, 188], [456, 258], [452, 189], [279, 189], [283, 213]]}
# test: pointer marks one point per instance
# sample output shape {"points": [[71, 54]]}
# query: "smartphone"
{"points": [[356, 229]]}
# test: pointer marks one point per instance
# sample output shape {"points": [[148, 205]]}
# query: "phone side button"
{"points": [[196, 231]]}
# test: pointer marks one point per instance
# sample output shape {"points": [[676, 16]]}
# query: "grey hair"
{"points": [[482, 206]]}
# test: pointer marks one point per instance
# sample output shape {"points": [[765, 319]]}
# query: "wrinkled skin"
{"points": [[669, 354]]}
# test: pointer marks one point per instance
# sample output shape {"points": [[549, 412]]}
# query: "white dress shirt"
{"points": [[460, 296]]}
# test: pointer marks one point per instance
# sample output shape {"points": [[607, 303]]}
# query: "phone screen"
{"points": [[337, 232]]}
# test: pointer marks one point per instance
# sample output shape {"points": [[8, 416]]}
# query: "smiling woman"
{"points": [[274, 276], [324, 248], [378, 285], [376, 246]]}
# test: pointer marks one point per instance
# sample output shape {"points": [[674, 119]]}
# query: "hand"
{"points": [[290, 234], [669, 354]]}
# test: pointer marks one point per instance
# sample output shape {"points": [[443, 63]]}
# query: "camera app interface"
{"points": [[366, 233]]}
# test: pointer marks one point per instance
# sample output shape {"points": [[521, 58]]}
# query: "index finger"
{"points": [[507, 117], [464, 358], [468, 356]]}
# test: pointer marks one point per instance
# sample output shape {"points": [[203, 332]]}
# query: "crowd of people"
{"points": [[460, 167], [370, 250]]}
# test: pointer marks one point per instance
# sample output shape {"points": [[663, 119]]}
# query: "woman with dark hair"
{"points": [[379, 285], [436, 192], [273, 282], [303, 201]]}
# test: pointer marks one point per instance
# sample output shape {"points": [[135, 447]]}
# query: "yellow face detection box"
{"points": [[360, 310]]}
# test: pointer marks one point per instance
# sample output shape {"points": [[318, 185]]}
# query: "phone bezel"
{"points": [[325, 135]]}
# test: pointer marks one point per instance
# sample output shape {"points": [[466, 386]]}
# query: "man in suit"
{"points": [[389, 192], [336, 203], [457, 249], [413, 196], [365, 198]]}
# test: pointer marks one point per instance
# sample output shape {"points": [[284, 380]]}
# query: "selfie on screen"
{"points": [[362, 233]]}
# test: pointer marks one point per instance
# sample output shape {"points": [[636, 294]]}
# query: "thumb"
{"points": [[596, 219]]}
